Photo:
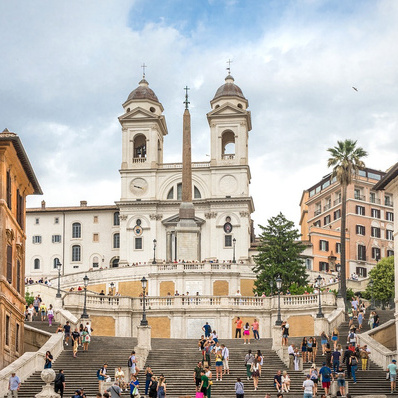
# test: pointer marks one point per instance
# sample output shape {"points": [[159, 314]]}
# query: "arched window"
{"points": [[55, 262], [196, 193], [37, 263], [76, 230], [116, 241], [76, 253], [179, 191], [228, 145], [115, 263], [116, 220], [140, 146], [170, 195], [95, 262]]}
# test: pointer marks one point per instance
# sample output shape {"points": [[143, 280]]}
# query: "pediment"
{"points": [[138, 113], [173, 220], [227, 109]]}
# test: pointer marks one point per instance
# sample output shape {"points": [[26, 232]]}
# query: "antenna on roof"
{"points": [[229, 66], [143, 66]]}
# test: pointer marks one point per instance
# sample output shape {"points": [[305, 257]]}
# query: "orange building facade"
{"points": [[369, 227], [17, 180]]}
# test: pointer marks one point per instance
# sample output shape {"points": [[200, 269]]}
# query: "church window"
{"points": [[138, 222], [116, 241], [228, 240], [152, 109], [140, 146], [138, 243], [76, 230], [115, 262], [128, 109], [228, 219], [116, 220], [36, 264], [76, 253], [95, 262], [196, 193], [170, 195], [179, 191], [55, 262], [228, 144], [240, 106]]}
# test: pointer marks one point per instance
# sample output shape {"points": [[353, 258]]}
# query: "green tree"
{"points": [[346, 160], [279, 254], [383, 280], [29, 297]]}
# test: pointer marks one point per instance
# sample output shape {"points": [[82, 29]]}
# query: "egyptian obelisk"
{"points": [[188, 232]]}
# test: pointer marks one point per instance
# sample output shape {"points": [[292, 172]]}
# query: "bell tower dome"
{"points": [[230, 123]]}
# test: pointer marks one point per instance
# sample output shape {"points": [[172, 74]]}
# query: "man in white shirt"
{"points": [[308, 387], [225, 355], [290, 351]]}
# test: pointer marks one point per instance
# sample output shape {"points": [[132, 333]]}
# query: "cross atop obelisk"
{"points": [[186, 102]]}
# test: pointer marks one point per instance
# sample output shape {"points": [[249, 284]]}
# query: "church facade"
{"points": [[151, 193]]}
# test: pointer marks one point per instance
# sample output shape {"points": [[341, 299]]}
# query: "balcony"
{"points": [[318, 212], [337, 201], [139, 160], [359, 197], [388, 203], [230, 156], [327, 207], [374, 200]]}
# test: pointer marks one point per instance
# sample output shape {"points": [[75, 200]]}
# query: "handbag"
{"points": [[387, 375], [199, 395]]}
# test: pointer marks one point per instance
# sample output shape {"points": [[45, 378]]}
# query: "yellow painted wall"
{"points": [[220, 288], [98, 288], [244, 319], [131, 288], [301, 325], [246, 287], [103, 325], [166, 287], [160, 326]]}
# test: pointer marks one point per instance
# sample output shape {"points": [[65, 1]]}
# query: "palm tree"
{"points": [[345, 158]]}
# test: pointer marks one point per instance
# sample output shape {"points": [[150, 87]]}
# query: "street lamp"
{"points": [[319, 314], [154, 253], [278, 281], [234, 244], [144, 281], [59, 266], [338, 268], [85, 280], [372, 303]]}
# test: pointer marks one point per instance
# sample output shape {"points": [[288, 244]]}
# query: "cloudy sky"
{"points": [[68, 66]]}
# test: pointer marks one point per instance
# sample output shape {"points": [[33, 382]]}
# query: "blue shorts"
{"points": [[341, 383], [102, 378], [324, 342]]}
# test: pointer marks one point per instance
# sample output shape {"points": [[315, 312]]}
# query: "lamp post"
{"points": [[112, 285], [85, 280], [154, 253], [233, 246], [59, 266], [144, 321], [372, 303], [338, 268], [319, 314], [278, 281]]}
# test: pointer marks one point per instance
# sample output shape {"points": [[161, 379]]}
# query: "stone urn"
{"points": [[48, 376]]}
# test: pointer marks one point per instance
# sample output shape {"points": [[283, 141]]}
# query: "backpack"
{"points": [[326, 372], [58, 379], [98, 372], [352, 336], [354, 361], [130, 363]]}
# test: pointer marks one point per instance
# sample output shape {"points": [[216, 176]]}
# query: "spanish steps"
{"points": [[177, 358]]}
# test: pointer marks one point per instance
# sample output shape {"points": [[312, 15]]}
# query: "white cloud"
{"points": [[67, 68]]}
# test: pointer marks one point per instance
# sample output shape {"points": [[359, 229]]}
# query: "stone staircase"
{"points": [[177, 358]]}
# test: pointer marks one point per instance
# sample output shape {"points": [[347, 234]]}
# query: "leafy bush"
{"points": [[29, 297]]}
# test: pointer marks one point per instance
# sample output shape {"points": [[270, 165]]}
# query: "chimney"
{"points": [[43, 204], [83, 203]]}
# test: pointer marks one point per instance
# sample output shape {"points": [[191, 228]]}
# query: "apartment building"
{"points": [[369, 228]]}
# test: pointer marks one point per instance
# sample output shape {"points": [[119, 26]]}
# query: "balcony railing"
{"points": [[337, 201], [359, 197], [388, 204], [228, 156], [139, 160], [374, 200], [327, 207], [318, 212]]}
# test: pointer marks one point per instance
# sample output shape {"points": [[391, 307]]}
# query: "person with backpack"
{"points": [[326, 374], [101, 375], [153, 386], [354, 366], [352, 338], [115, 391], [59, 383], [131, 363], [239, 388]]}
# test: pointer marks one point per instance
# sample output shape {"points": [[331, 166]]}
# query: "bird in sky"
{"points": [[355, 88]]}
